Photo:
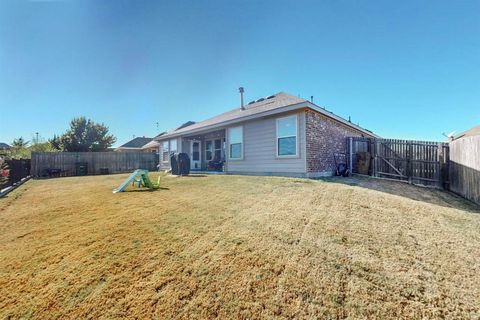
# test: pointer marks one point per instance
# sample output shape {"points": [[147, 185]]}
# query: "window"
{"points": [[173, 145], [196, 151], [287, 136], [213, 150], [208, 150], [218, 150], [165, 152], [235, 137]]}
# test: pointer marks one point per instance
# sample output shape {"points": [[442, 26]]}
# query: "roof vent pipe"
{"points": [[241, 98], [311, 99]]}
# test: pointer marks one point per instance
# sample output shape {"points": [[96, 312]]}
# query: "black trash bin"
{"points": [[174, 163], [81, 168], [183, 162]]}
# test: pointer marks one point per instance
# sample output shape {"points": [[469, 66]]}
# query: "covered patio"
{"points": [[206, 151]]}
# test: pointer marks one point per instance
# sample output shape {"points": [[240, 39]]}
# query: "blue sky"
{"points": [[404, 69]]}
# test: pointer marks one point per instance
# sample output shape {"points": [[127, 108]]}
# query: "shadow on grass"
{"points": [[194, 176], [146, 190], [413, 192]]}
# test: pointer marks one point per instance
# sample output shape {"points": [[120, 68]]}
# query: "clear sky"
{"points": [[404, 69]]}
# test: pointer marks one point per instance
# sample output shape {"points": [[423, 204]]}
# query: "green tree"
{"points": [[19, 143], [84, 135], [55, 142], [42, 147], [19, 149], [22, 150]]}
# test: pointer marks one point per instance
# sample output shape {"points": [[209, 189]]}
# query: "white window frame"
{"points": [[212, 150], [170, 145], [229, 144], [167, 150], [296, 155], [219, 149]]}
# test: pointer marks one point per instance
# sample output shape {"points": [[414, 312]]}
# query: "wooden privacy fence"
{"points": [[465, 167], [417, 162], [17, 170], [67, 163]]}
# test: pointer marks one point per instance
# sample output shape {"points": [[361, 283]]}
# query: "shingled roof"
{"points": [[276, 103], [4, 146], [273, 102], [137, 142], [186, 124]]}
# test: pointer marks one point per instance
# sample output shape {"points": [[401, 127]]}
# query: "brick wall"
{"points": [[324, 137]]}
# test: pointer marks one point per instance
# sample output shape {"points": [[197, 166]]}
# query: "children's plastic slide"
{"points": [[139, 176]]}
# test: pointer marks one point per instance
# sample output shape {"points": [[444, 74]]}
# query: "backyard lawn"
{"points": [[238, 247]]}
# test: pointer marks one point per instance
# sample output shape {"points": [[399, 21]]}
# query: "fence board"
{"points": [[115, 162], [465, 167]]}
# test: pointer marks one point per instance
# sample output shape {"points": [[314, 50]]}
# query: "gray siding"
{"points": [[259, 143]]}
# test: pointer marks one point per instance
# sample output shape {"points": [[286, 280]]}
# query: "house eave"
{"points": [[340, 119]]}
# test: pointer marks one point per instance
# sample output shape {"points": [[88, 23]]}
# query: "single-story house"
{"points": [[277, 135], [139, 144]]}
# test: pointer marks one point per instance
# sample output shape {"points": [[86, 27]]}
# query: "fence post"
{"points": [[350, 151], [371, 149], [409, 162], [444, 166]]}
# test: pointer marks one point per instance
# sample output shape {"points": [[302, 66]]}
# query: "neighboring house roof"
{"points": [[151, 144], [186, 124], [475, 131], [4, 146], [136, 143], [277, 103], [159, 135]]}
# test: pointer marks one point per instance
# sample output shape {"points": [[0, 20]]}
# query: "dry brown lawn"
{"points": [[238, 247]]}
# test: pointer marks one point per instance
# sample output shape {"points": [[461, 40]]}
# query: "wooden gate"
{"points": [[416, 162]]}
